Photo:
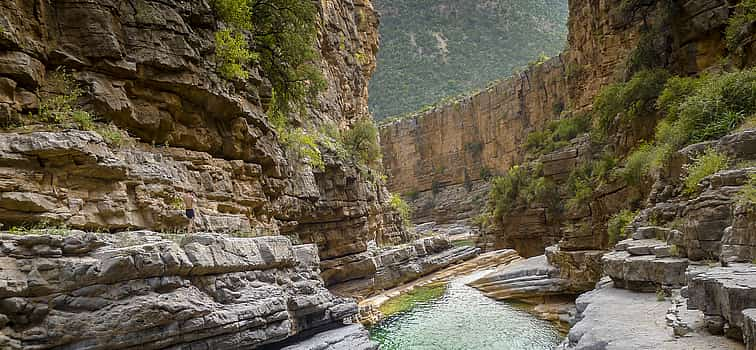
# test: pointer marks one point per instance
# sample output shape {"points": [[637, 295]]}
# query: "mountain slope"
{"points": [[431, 49]]}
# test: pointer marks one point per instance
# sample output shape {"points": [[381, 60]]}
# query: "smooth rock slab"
{"points": [[352, 337], [616, 319], [725, 292], [645, 272]]}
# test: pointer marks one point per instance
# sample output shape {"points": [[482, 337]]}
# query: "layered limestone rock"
{"points": [[142, 289], [456, 145], [723, 294], [387, 268], [148, 68], [611, 318]]}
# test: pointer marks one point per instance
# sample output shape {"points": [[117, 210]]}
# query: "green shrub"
{"points": [[404, 210], [641, 162], [113, 135], [361, 142], [232, 52], [519, 187], [557, 134], [748, 193], [616, 227], [736, 33], [704, 165], [83, 120], [306, 147], [707, 108], [628, 101], [580, 187], [282, 35], [505, 193], [57, 98]]}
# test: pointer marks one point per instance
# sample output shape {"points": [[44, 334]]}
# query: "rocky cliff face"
{"points": [[141, 289], [148, 68], [438, 157]]}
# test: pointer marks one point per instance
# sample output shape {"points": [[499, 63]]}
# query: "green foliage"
{"points": [[519, 187], [736, 32], [57, 100], [83, 120], [113, 135], [41, 228], [281, 37], [748, 193], [306, 146], [580, 187], [616, 227], [704, 165], [361, 142], [404, 210], [557, 134], [642, 161], [707, 107], [431, 49], [628, 101], [232, 50]]}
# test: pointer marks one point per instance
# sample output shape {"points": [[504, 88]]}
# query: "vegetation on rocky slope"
{"points": [[432, 49]]}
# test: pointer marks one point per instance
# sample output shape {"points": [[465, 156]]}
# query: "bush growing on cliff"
{"points": [[520, 186], [704, 165], [621, 103], [557, 134], [748, 193], [361, 142], [736, 32], [617, 224], [696, 110], [404, 210], [231, 49], [281, 36]]}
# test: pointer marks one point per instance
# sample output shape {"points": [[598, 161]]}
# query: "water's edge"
{"points": [[463, 318]]}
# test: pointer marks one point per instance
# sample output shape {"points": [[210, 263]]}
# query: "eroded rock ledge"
{"points": [[141, 289]]}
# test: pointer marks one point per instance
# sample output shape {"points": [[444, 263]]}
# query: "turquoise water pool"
{"points": [[464, 319]]}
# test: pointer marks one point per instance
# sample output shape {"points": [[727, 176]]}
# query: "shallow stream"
{"points": [[464, 319]]}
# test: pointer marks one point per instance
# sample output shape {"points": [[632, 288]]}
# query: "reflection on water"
{"points": [[464, 319]]}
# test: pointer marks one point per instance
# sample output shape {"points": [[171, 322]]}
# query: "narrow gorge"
{"points": [[207, 174]]}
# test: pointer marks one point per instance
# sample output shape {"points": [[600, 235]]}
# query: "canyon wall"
{"points": [[437, 158], [148, 67]]}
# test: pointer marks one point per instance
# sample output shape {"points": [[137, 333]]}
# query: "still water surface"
{"points": [[464, 319]]}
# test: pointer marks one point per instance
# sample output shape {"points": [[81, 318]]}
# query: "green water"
{"points": [[464, 319]]}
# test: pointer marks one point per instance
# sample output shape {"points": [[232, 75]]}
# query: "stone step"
{"points": [[644, 273], [645, 247], [724, 294]]}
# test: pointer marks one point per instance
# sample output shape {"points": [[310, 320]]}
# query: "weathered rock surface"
{"points": [[611, 318], [149, 69], [139, 289], [394, 266], [353, 337], [722, 294], [530, 279]]}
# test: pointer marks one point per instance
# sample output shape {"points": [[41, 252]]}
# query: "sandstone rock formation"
{"points": [[387, 268], [154, 291], [449, 148], [149, 69]]}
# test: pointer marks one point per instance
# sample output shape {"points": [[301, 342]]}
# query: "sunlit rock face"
{"points": [[149, 68]]}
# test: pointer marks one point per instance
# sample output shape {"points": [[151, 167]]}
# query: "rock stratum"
{"points": [[152, 291], [148, 68]]}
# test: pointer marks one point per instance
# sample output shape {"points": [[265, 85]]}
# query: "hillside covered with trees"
{"points": [[431, 49]]}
